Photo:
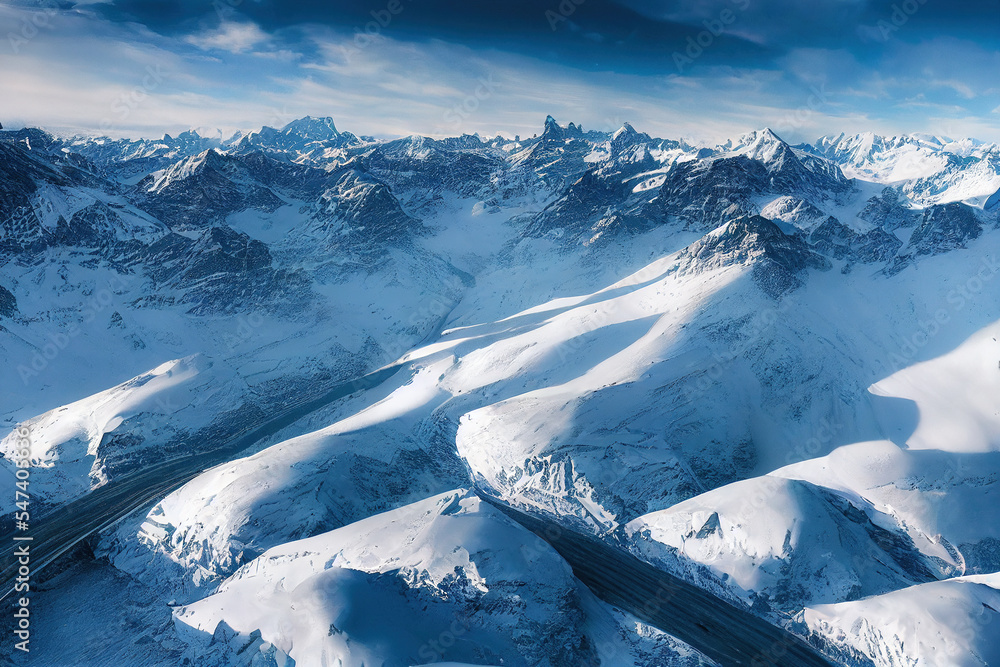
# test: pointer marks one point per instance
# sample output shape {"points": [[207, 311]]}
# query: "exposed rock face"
{"points": [[203, 190], [837, 240], [777, 259], [943, 228], [8, 304], [359, 210], [886, 211]]}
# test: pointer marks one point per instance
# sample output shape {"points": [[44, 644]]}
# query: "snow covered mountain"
{"points": [[929, 170], [770, 370]]}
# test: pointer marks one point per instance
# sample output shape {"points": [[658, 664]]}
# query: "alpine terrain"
{"points": [[304, 397]]}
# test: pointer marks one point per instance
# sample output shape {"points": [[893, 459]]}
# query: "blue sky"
{"points": [[700, 70]]}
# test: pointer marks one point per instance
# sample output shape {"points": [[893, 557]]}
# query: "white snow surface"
{"points": [[952, 623], [451, 576]]}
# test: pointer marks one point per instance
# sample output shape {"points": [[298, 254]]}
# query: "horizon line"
{"points": [[206, 132]]}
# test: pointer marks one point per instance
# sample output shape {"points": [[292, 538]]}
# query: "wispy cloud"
{"points": [[230, 36]]}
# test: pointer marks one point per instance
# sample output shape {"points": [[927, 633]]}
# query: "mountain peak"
{"points": [[627, 137], [209, 159], [553, 131], [625, 130], [310, 127], [763, 145], [757, 137], [186, 135], [755, 240]]}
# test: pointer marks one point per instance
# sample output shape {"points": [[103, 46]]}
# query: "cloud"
{"points": [[960, 87], [423, 70], [782, 23], [230, 36], [593, 35]]}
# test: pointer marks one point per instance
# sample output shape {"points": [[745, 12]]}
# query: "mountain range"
{"points": [[768, 369]]}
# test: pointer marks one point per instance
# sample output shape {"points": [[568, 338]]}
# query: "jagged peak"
{"points": [[830, 139], [853, 141], [626, 140], [625, 130], [210, 156], [312, 127], [762, 145], [209, 159], [755, 144], [186, 135], [768, 133], [194, 164], [264, 132], [866, 149], [555, 132], [762, 136]]}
